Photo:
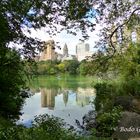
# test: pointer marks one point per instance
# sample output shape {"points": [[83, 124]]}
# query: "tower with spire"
{"points": [[65, 51]]}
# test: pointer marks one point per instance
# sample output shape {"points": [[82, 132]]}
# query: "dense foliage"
{"points": [[120, 19], [119, 90], [12, 79], [107, 122], [66, 67], [44, 127], [57, 67], [15, 22]]}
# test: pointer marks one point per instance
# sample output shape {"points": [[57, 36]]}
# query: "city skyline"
{"points": [[65, 38], [49, 53]]}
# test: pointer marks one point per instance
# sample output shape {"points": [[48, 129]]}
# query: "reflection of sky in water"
{"points": [[68, 105]]}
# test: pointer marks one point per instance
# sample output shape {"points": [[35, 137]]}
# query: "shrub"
{"points": [[108, 121], [44, 127]]}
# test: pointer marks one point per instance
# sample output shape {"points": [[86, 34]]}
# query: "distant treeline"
{"points": [[68, 67]]}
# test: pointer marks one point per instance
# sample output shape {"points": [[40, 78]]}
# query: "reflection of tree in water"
{"points": [[63, 81]]}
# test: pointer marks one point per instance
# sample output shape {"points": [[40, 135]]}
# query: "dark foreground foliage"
{"points": [[12, 80], [44, 127]]}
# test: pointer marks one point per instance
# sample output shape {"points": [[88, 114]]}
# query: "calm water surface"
{"points": [[67, 97]]}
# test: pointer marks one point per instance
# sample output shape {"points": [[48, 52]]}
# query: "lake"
{"points": [[67, 97]]}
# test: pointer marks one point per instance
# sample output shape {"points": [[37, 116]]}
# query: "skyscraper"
{"points": [[83, 51], [49, 51], [65, 51]]}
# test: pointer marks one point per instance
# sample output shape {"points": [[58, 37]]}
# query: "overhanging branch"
{"points": [[121, 25]]}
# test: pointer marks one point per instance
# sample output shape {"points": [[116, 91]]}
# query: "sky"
{"points": [[63, 38]]}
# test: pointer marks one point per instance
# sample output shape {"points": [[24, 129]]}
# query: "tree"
{"points": [[119, 18], [12, 80], [87, 68], [61, 67], [36, 14], [72, 66], [69, 14], [15, 17]]}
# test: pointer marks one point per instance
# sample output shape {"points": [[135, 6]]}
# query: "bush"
{"points": [[105, 93], [12, 79], [108, 121], [44, 127]]}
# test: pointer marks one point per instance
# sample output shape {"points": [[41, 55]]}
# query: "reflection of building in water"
{"points": [[48, 97], [84, 95], [65, 97]]}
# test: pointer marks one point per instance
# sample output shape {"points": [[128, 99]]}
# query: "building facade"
{"points": [[83, 51], [49, 51]]}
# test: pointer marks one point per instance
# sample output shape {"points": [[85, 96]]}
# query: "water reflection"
{"points": [[81, 96], [85, 95], [68, 98], [48, 97]]}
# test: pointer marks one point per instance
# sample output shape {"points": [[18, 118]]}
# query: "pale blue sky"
{"points": [[63, 38]]}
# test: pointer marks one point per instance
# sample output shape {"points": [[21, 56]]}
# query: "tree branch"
{"points": [[115, 30]]}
